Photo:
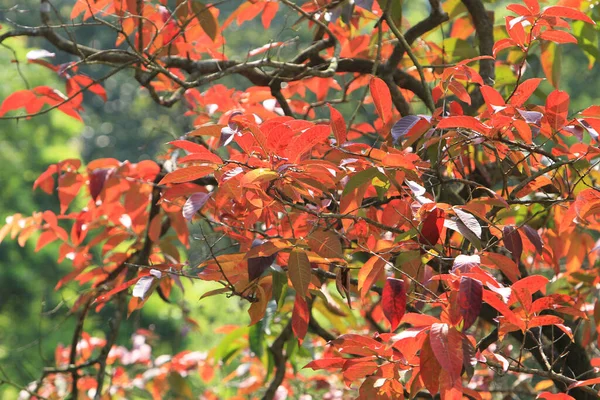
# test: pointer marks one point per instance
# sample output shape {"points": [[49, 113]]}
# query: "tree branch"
{"points": [[484, 26], [280, 360]]}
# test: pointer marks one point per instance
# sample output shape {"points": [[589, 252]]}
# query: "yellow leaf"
{"points": [[259, 175]]}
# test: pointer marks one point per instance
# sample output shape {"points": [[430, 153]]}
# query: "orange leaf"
{"points": [[300, 317], [381, 98], [187, 174], [299, 271], [338, 125]]}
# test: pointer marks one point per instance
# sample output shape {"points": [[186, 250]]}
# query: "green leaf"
{"points": [[279, 286], [587, 38], [179, 386], [362, 177], [256, 337], [406, 257], [206, 19], [551, 62], [395, 10], [227, 345]]}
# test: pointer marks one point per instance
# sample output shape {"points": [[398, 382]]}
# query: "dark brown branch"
{"points": [[484, 26], [280, 360], [73, 354]]}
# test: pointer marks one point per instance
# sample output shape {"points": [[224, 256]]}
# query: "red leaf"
{"points": [[532, 283], [300, 317], [587, 382], [502, 44], [533, 5], [534, 238], [198, 152], [306, 141], [381, 98], [45, 238], [554, 396], [465, 122], [470, 298], [430, 367], [326, 244], [97, 178], [566, 12], [493, 300], [18, 99], [432, 227], [491, 96], [338, 125], [446, 344], [355, 369], [393, 301], [268, 13], [558, 37], [69, 185], [519, 9], [459, 91], [524, 91], [503, 263], [326, 363], [90, 85], [543, 320], [187, 174], [557, 109]]}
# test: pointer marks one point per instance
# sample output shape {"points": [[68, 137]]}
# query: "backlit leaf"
{"points": [[300, 317], [557, 109], [338, 125], [381, 98], [430, 367], [502, 263], [465, 122], [326, 244], [299, 271], [187, 174], [551, 59], [558, 36], [258, 175], [524, 91], [370, 273], [303, 143], [566, 12], [446, 343], [393, 301], [431, 228]]}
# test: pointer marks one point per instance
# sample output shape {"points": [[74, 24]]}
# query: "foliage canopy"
{"points": [[409, 255]]}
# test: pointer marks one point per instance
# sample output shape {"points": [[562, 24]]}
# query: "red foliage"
{"points": [[448, 235]]}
